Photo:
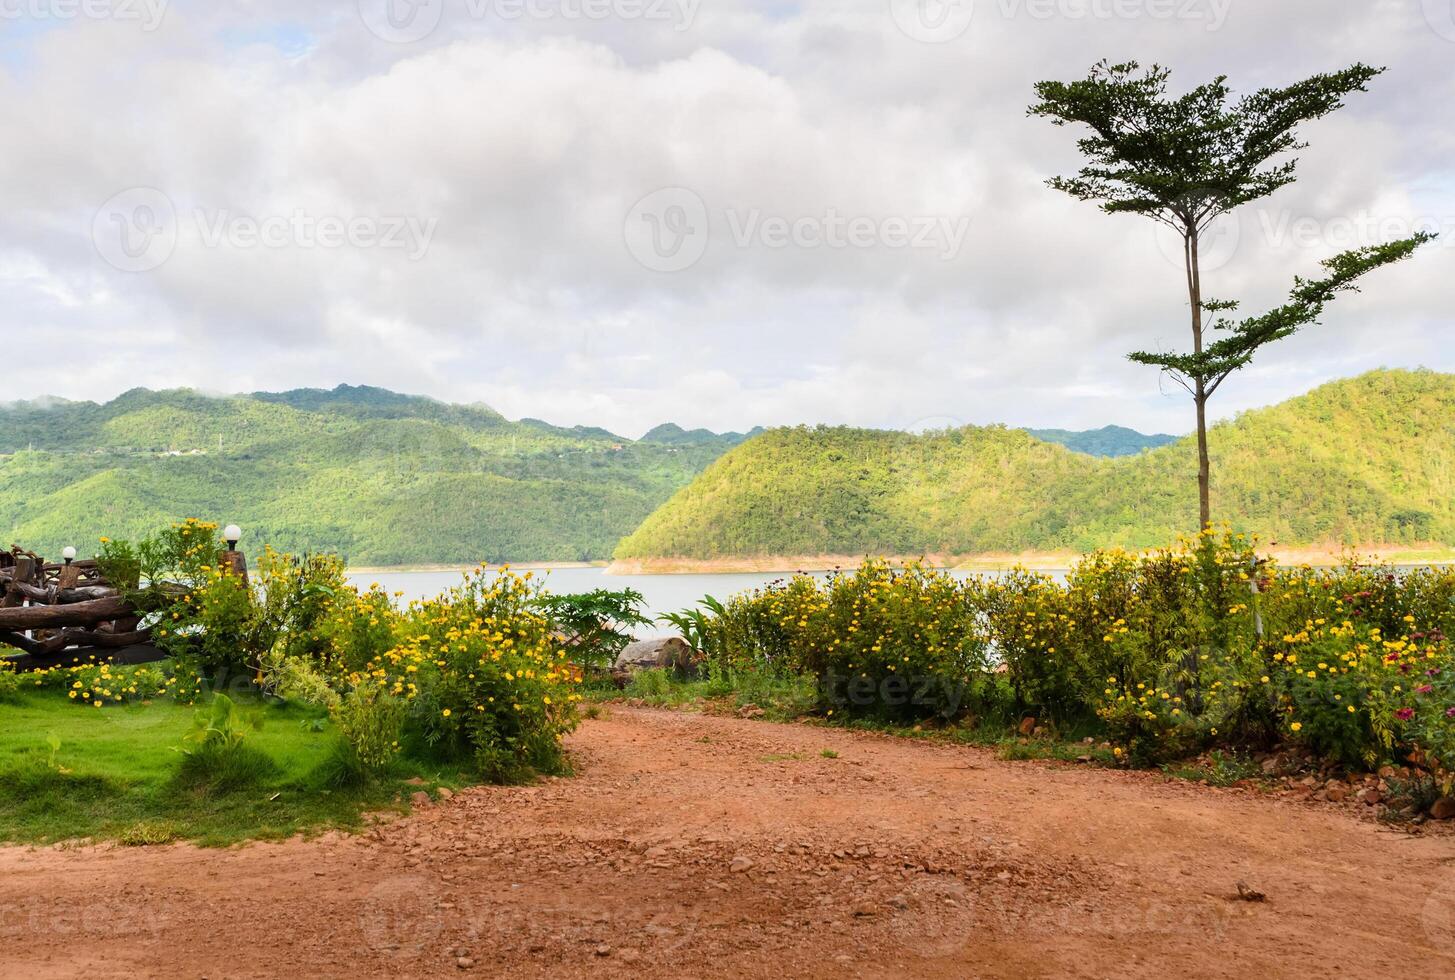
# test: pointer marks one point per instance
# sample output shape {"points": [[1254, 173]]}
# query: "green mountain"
{"points": [[1110, 440], [1367, 460], [378, 477]]}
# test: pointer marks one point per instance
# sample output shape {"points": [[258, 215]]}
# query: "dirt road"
{"points": [[695, 846]]}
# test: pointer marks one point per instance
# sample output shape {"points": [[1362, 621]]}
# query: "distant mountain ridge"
{"points": [[385, 478], [380, 477], [1368, 460], [1109, 440]]}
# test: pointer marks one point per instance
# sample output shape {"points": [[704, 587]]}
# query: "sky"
{"points": [[722, 213]]}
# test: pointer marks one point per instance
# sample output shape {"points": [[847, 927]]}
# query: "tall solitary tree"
{"points": [[1186, 160]]}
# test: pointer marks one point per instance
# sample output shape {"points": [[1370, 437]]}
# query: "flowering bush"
{"points": [[212, 621], [357, 628], [1030, 626], [1168, 651], [771, 630], [481, 674], [1150, 725], [897, 643], [100, 684], [1430, 716]]}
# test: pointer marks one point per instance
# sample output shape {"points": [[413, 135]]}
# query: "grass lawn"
{"points": [[114, 775]]}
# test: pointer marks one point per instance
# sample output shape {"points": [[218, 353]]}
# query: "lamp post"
{"points": [[233, 559], [69, 576]]}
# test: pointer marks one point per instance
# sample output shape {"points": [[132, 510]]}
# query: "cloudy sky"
{"points": [[719, 212]]}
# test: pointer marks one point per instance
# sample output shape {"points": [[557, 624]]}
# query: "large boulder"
{"points": [[668, 652]]}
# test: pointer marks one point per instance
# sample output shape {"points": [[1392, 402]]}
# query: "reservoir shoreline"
{"points": [[1329, 555]]}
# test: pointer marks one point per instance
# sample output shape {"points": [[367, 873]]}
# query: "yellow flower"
{"points": [[446, 712], [1296, 726]]}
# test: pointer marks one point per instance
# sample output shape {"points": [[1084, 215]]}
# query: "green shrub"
{"points": [[648, 684], [214, 769], [370, 723], [596, 624], [216, 758]]}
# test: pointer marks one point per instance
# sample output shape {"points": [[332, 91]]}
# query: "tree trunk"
{"points": [[1199, 394], [1204, 500]]}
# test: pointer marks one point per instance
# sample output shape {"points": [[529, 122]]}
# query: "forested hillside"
{"points": [[376, 476], [1367, 460]]}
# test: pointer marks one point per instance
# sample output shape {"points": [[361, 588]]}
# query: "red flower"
{"points": [[1405, 714]]}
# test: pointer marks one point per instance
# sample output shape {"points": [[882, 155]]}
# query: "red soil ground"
{"points": [[895, 859]]}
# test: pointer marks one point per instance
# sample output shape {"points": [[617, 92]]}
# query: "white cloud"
{"points": [[529, 141]]}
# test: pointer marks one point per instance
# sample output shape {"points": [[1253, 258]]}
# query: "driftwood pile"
{"points": [[65, 614]]}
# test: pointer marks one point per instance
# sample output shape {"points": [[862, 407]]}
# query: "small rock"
{"points": [[445, 792], [628, 956], [865, 909], [603, 950], [1083, 758], [1249, 894], [420, 798], [898, 902], [1371, 796], [1336, 793], [1027, 726], [414, 781], [1444, 808], [741, 864], [653, 853], [464, 962]]}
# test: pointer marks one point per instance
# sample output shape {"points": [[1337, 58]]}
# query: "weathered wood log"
{"points": [[61, 639], [21, 573], [21, 642], [57, 596], [19, 619]]}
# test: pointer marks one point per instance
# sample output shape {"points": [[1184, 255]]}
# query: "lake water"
{"points": [[663, 593]]}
